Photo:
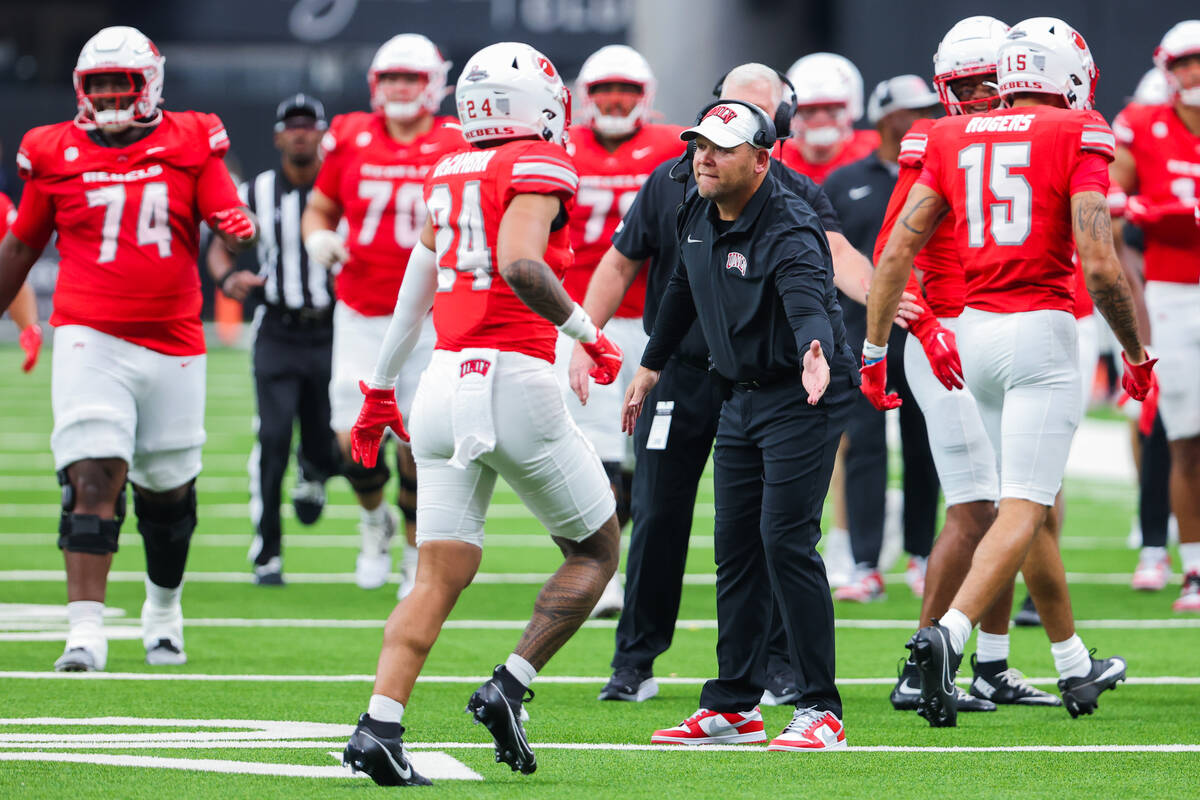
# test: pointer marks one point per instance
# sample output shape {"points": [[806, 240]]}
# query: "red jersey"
{"points": [[857, 147], [378, 183], [1008, 176], [942, 277], [128, 224], [608, 182], [1168, 171], [467, 194], [1084, 307], [7, 214]]}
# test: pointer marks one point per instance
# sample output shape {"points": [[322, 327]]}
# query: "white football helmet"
{"points": [[827, 79], [409, 52], [1044, 55], [615, 62], [968, 49], [1182, 40], [509, 90], [1152, 88], [120, 49]]}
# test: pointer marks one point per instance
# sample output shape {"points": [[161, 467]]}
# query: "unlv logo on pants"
{"points": [[477, 365], [736, 261]]}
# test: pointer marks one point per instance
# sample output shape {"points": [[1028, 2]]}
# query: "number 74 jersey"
{"points": [[1008, 176], [467, 194]]}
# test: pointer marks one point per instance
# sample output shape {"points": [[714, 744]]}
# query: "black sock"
{"points": [[513, 689]]}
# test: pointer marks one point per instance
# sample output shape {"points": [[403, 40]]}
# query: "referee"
{"points": [[293, 335], [756, 272]]}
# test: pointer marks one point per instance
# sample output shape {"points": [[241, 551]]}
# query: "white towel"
{"points": [[471, 409]]}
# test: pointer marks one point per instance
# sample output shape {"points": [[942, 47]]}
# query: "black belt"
{"points": [[765, 381], [306, 318], [696, 362]]}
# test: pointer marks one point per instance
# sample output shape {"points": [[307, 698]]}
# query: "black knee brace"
{"points": [[87, 533], [620, 487], [166, 530], [406, 497], [364, 480]]}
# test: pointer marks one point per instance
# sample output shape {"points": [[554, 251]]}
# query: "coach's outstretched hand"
{"points": [[815, 376], [643, 381], [378, 413]]}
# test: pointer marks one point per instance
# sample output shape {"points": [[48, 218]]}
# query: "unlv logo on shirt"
{"points": [[736, 261]]}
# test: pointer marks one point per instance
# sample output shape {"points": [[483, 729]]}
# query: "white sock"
{"points": [[520, 669], [1189, 552], [375, 515], [959, 628], [991, 647], [1071, 658], [1154, 554], [86, 619], [384, 709], [409, 559], [160, 597]]}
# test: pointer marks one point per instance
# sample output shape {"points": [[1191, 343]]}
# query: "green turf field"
{"points": [[277, 676]]}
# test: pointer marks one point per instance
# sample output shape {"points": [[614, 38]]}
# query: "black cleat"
{"points": [[906, 694], [270, 573], [377, 748], [308, 500], [1028, 616], [937, 665], [996, 681], [781, 689], [1080, 694], [489, 705], [630, 684]]}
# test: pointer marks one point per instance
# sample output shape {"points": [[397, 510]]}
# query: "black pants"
{"points": [[1154, 496], [291, 380], [867, 468], [773, 459]]}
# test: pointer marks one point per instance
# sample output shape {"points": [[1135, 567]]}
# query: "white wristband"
{"points": [[579, 326], [873, 352]]}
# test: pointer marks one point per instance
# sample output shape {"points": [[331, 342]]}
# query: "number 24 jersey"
{"points": [[467, 194]]}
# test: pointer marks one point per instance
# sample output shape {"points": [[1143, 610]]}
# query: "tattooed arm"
{"points": [[521, 246], [922, 212], [1102, 270]]}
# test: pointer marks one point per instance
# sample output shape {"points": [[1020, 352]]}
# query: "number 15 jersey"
{"points": [[1008, 176], [467, 194]]}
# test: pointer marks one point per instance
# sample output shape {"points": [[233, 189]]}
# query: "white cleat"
{"points": [[1153, 570], [612, 600], [839, 563], [374, 562], [83, 658], [162, 629]]}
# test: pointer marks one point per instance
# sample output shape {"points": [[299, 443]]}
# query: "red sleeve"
{"points": [[1090, 175], [930, 173], [329, 177], [214, 189], [545, 169], [218, 139], [35, 218], [7, 214]]}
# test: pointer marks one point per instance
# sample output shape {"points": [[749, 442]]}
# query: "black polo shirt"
{"points": [[760, 287], [648, 232]]}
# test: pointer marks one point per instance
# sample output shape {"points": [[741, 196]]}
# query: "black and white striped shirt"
{"points": [[290, 282]]}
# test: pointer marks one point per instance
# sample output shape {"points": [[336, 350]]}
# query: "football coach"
{"points": [[755, 270]]}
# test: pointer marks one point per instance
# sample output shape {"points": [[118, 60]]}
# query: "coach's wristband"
{"points": [[873, 353], [579, 326]]}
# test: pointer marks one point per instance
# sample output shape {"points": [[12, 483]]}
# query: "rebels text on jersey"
{"points": [[378, 183], [467, 194], [608, 182], [128, 224], [1008, 176], [1167, 155], [941, 272], [857, 147]]}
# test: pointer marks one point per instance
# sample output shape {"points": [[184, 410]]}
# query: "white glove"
{"points": [[326, 248]]}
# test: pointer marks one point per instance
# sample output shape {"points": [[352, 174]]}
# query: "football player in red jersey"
{"points": [[1158, 167], [614, 150], [965, 77], [489, 262], [829, 100], [23, 308], [373, 170], [1022, 181], [125, 185]]}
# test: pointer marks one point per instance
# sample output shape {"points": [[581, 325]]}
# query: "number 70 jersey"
{"points": [[1008, 176], [467, 194]]}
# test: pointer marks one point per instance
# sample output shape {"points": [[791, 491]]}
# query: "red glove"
{"points": [[941, 348], [31, 343], [608, 357], [1197, 212], [874, 385], [1141, 211], [1138, 379], [378, 413], [235, 222]]}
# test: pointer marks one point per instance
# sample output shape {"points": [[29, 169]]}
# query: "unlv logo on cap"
{"points": [[724, 113], [736, 261]]}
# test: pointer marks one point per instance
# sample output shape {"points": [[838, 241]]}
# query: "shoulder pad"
{"points": [[1096, 137]]}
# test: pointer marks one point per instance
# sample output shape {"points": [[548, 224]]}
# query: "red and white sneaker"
{"points": [[1189, 598], [914, 575], [1153, 570], [811, 730], [866, 587], [715, 727]]}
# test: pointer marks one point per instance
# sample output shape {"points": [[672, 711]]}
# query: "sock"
{"points": [[959, 628], [1189, 552], [516, 677], [1071, 658], [991, 647], [161, 597], [375, 515], [409, 559], [384, 709], [1154, 554], [86, 619]]}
